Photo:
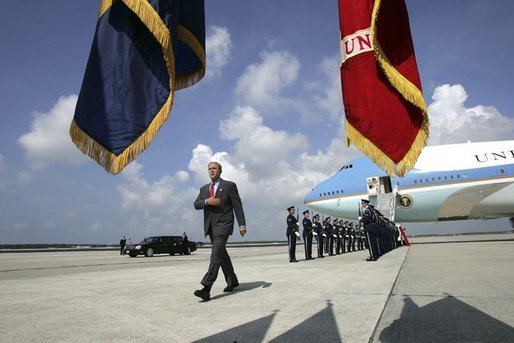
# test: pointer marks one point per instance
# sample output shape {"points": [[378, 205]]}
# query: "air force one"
{"points": [[448, 182]]}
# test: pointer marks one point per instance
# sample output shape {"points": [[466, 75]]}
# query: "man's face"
{"points": [[214, 171]]}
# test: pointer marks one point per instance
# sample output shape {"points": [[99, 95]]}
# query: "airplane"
{"points": [[448, 182]]}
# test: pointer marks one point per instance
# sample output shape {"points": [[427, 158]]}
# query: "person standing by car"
{"points": [[184, 242], [219, 201], [122, 245]]}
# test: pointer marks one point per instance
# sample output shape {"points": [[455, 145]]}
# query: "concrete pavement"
{"points": [[100, 296]]}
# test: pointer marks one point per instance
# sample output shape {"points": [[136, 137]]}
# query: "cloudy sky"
{"points": [[269, 108]]}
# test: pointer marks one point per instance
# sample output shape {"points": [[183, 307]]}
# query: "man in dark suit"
{"points": [[219, 200], [122, 245]]}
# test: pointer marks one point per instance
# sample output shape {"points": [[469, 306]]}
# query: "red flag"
{"points": [[386, 115]]}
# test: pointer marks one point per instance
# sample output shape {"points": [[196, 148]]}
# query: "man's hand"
{"points": [[242, 230], [212, 201]]}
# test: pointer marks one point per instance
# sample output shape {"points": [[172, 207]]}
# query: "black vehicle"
{"points": [[161, 245]]}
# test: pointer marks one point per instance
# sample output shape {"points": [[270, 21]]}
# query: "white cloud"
{"points": [[182, 176], [262, 150], [49, 140], [218, 46], [261, 85], [452, 122], [156, 207]]}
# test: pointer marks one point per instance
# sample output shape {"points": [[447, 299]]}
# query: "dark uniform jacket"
{"points": [[307, 227], [292, 225]]}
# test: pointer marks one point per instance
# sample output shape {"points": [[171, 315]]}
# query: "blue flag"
{"points": [[142, 51]]}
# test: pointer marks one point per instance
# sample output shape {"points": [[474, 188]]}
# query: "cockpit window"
{"points": [[347, 166]]}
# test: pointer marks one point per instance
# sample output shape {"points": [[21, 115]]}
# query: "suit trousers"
{"points": [[219, 258]]}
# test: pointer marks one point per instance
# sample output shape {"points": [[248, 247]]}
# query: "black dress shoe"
{"points": [[230, 288], [203, 293]]}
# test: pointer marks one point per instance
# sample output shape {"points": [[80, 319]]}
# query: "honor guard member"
{"points": [[368, 221], [330, 235], [345, 236], [337, 231], [318, 232], [360, 236], [291, 232], [352, 237], [307, 235]]}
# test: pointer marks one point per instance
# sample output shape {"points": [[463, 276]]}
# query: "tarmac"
{"points": [[428, 292]]}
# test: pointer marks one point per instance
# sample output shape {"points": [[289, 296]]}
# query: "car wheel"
{"points": [[132, 255], [172, 253], [149, 252]]}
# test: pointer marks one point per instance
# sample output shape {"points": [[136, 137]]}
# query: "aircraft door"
{"points": [[385, 185]]}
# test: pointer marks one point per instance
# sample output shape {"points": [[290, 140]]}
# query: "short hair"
{"points": [[217, 163]]}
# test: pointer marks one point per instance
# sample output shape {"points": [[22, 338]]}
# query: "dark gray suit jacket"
{"points": [[220, 219]]}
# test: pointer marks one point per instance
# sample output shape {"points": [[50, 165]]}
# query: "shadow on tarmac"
{"points": [[445, 320], [307, 331]]}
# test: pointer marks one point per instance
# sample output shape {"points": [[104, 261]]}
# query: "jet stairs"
{"points": [[382, 195]]}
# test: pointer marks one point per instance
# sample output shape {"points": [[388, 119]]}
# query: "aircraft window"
{"points": [[465, 176], [446, 177], [451, 176], [427, 179], [433, 179], [458, 176], [342, 191], [415, 181], [333, 192], [420, 180], [439, 178], [502, 171]]}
